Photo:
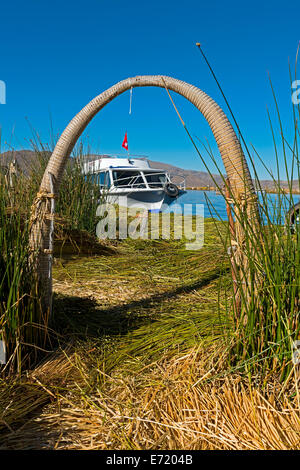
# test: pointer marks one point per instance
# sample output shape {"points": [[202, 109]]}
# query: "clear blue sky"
{"points": [[58, 55]]}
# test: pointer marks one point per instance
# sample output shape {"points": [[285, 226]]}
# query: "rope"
{"points": [[130, 100], [45, 195], [182, 121]]}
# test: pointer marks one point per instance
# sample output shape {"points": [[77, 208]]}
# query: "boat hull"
{"points": [[151, 200]]}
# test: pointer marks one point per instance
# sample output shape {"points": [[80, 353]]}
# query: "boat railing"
{"points": [[177, 179], [143, 181], [131, 184]]}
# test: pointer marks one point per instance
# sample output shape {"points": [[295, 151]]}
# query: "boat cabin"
{"points": [[121, 173]]}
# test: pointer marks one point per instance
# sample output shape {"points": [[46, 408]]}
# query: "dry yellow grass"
{"points": [[167, 405], [145, 377]]}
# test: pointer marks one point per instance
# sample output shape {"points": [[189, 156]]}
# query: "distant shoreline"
{"points": [[195, 180], [267, 190]]}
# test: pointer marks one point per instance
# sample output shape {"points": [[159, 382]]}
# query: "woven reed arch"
{"points": [[230, 149]]}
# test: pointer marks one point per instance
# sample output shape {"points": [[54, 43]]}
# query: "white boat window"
{"points": [[133, 179], [104, 179], [155, 180]]}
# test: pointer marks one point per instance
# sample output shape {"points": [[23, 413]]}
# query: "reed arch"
{"points": [[229, 146]]}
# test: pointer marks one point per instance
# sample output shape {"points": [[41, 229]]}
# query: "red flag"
{"points": [[125, 142]]}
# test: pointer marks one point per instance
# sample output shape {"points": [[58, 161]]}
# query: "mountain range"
{"points": [[26, 159]]}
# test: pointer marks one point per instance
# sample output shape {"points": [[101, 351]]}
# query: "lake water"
{"points": [[215, 206]]}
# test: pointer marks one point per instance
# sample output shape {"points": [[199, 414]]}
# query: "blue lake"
{"points": [[215, 206]]}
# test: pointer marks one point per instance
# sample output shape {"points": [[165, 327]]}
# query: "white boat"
{"points": [[132, 182]]}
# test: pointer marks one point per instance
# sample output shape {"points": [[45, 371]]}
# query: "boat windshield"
{"points": [[128, 178], [156, 180]]}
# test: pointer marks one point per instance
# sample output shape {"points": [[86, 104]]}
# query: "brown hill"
{"points": [[26, 159]]}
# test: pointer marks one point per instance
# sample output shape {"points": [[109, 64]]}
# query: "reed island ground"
{"points": [[139, 360]]}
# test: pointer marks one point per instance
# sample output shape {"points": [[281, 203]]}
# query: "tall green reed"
{"points": [[79, 194], [24, 326], [265, 288], [269, 322]]}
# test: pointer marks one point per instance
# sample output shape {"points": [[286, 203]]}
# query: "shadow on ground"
{"points": [[78, 317], [85, 317]]}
